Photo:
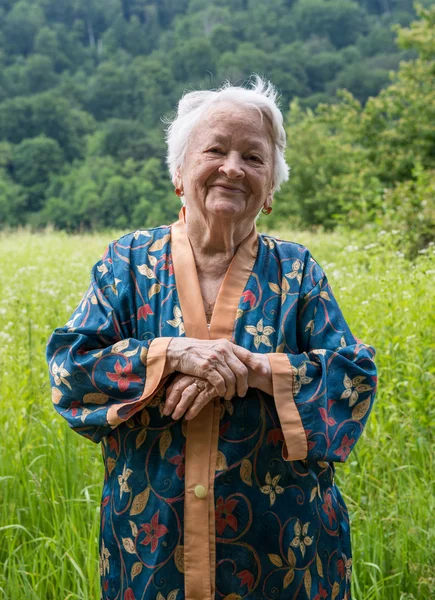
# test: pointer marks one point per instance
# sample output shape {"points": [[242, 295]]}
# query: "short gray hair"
{"points": [[193, 106]]}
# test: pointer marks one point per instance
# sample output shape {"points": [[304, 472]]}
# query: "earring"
{"points": [[266, 211], [178, 191]]}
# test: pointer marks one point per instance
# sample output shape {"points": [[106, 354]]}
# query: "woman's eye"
{"points": [[215, 150], [256, 158]]}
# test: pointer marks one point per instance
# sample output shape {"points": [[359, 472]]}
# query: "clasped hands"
{"points": [[208, 369]]}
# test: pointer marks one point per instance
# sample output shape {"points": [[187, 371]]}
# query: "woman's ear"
{"points": [[178, 182]]}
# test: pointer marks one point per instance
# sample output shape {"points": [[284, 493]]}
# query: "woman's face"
{"points": [[229, 148]]}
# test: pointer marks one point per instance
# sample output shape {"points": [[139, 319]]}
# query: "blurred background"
{"points": [[85, 86]]}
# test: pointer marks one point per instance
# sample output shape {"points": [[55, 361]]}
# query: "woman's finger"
{"points": [[177, 389], [187, 397], [202, 399], [241, 373]]}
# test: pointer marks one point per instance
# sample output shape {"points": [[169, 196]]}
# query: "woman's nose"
{"points": [[232, 167]]}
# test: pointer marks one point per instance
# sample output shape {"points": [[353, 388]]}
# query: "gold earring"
{"points": [[266, 211]]}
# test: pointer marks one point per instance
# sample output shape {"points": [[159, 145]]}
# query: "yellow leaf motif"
{"points": [[289, 576], [325, 295], [56, 395], [361, 409], [335, 591], [102, 269], [139, 502], [307, 582], [120, 346], [145, 270], [274, 287], [143, 355], [275, 559], [179, 558], [158, 245], [246, 471], [95, 398], [136, 569], [291, 557], [221, 461], [319, 566], [145, 417], [133, 528], [154, 289], [165, 442], [132, 352], [128, 545], [152, 260], [233, 597], [141, 438]]}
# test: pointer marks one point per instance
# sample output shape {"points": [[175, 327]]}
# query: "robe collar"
{"points": [[189, 291]]}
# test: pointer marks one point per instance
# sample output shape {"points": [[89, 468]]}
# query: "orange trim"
{"points": [[291, 423], [155, 364], [203, 431]]}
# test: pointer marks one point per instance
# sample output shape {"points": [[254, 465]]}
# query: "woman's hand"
{"points": [[187, 395], [215, 361]]}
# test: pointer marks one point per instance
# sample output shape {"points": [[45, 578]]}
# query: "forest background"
{"points": [[85, 86]]}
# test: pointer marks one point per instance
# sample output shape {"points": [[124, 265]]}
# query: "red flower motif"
{"points": [[223, 515], [167, 266], [144, 311], [345, 448], [153, 531], [327, 507], [246, 578], [74, 407], [123, 376], [322, 593], [224, 428], [340, 566], [129, 595], [248, 296], [179, 460], [274, 436]]}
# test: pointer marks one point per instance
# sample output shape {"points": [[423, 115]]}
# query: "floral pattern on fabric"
{"points": [[282, 527]]}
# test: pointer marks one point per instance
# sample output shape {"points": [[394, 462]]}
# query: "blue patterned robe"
{"points": [[239, 502]]}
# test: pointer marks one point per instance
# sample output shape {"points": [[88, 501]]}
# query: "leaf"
{"points": [[274, 287], [154, 289], [285, 286], [136, 569], [361, 409], [307, 582], [95, 398], [325, 295], [173, 594], [335, 591], [319, 565], [56, 395], [141, 438], [289, 576], [143, 355], [221, 461], [120, 346], [133, 528], [165, 442], [275, 559], [145, 270], [111, 462], [139, 502], [246, 471], [152, 260], [280, 348], [132, 352], [233, 597], [179, 558], [158, 244], [291, 557], [128, 545], [145, 417], [313, 493]]}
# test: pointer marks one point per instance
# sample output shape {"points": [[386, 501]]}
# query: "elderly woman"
{"points": [[216, 368]]}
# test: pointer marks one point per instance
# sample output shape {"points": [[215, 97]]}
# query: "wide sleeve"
{"points": [[99, 376], [323, 395]]}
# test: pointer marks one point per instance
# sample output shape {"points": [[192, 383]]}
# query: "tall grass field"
{"points": [[51, 478]]}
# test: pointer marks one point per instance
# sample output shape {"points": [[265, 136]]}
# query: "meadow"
{"points": [[51, 478]]}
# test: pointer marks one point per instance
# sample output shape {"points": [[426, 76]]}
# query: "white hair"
{"points": [[193, 106]]}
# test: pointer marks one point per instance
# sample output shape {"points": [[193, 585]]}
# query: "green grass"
{"points": [[50, 477]]}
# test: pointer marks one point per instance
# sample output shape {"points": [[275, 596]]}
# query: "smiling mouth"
{"points": [[228, 189]]}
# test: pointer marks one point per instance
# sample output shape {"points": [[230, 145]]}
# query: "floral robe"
{"points": [[239, 502]]}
